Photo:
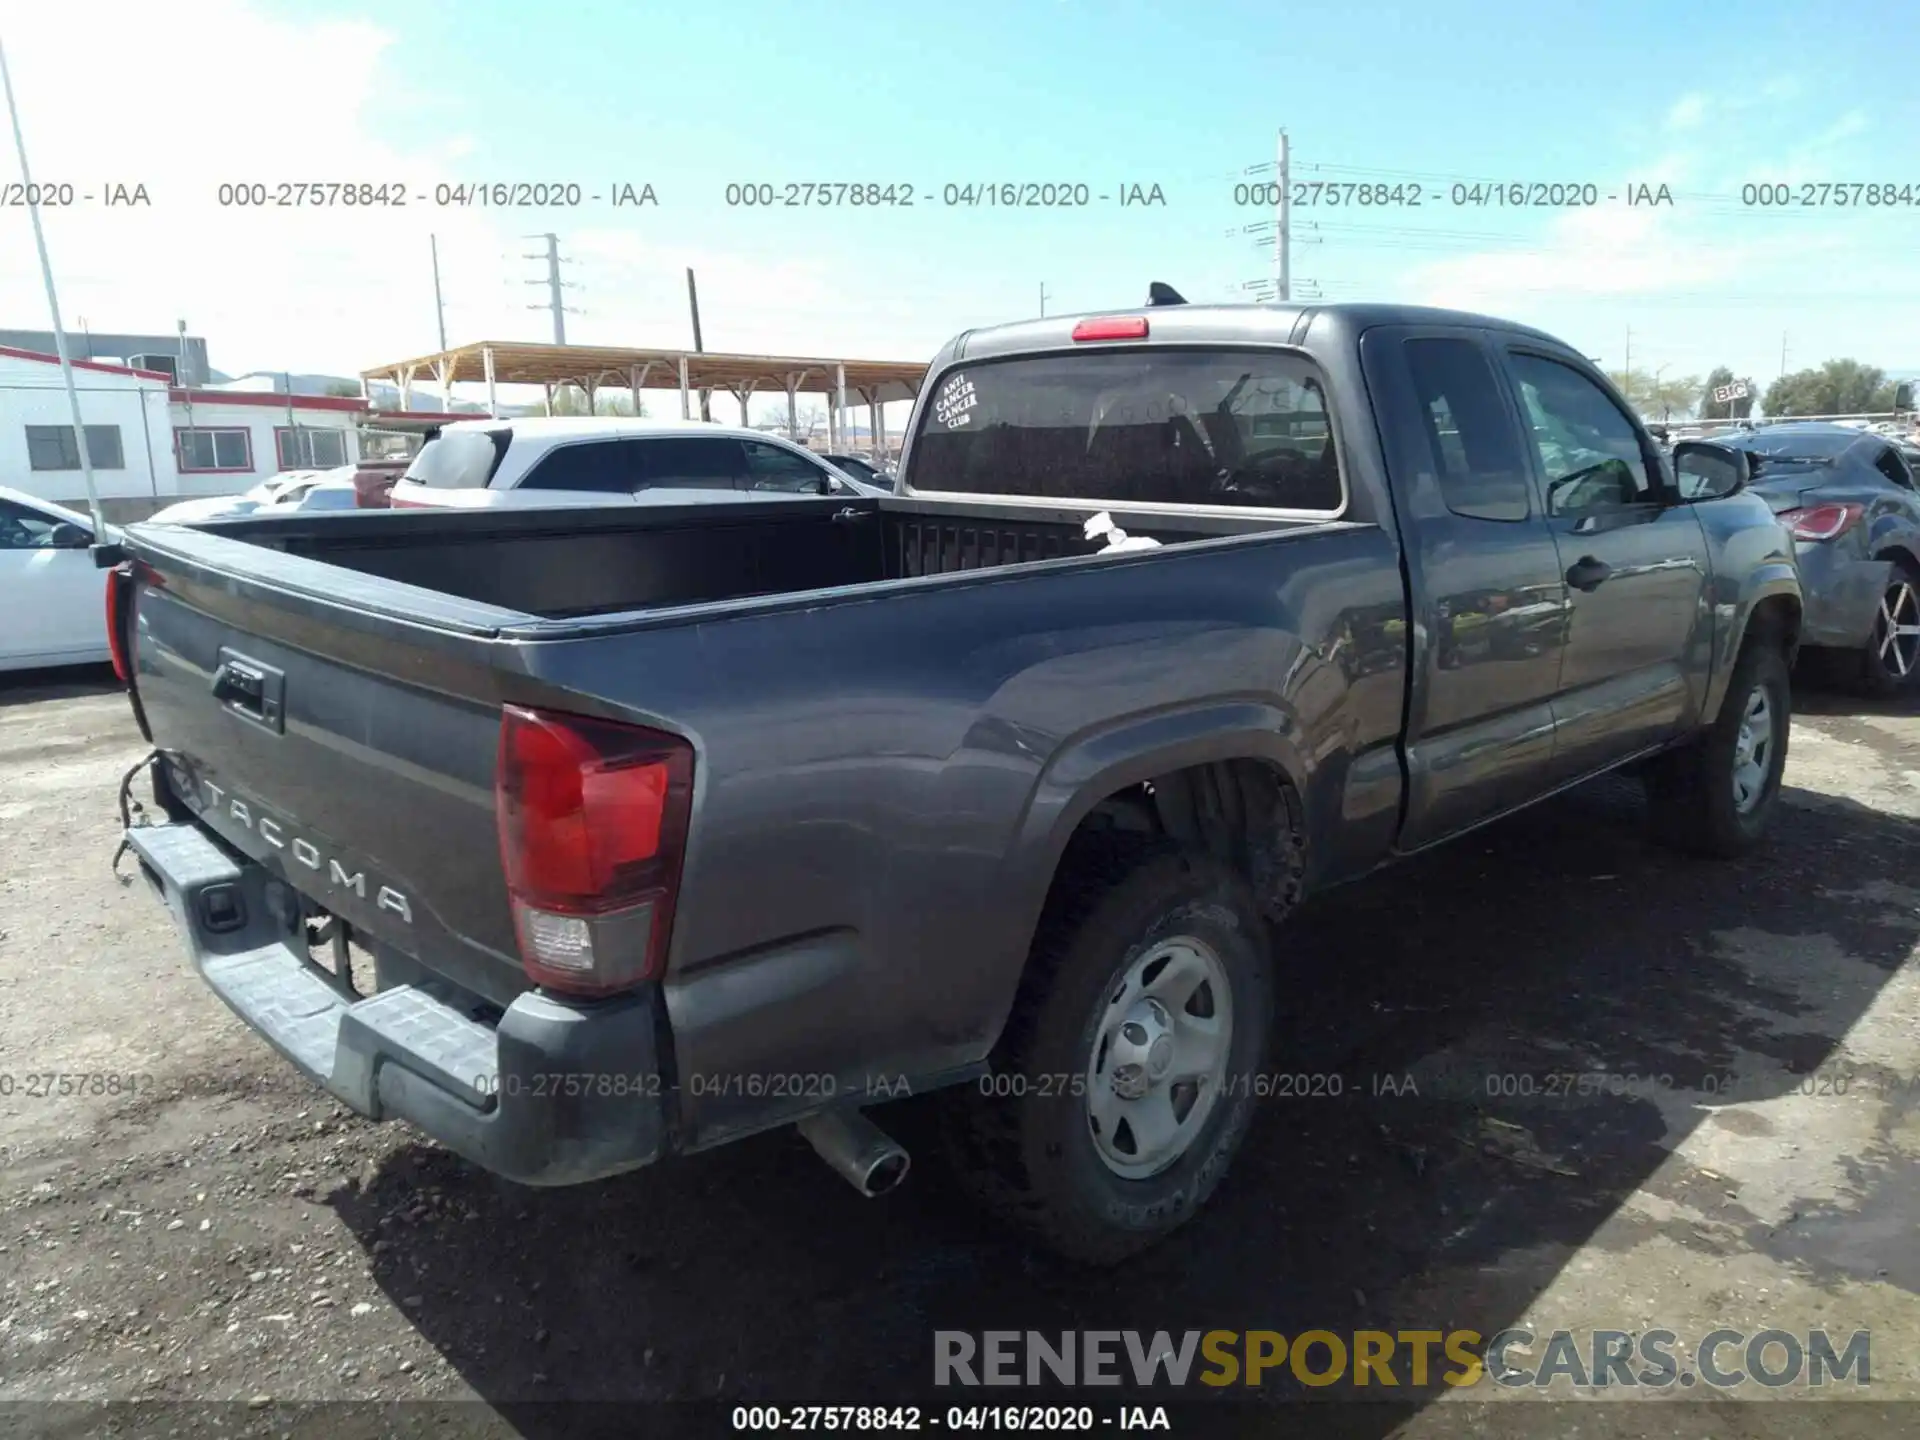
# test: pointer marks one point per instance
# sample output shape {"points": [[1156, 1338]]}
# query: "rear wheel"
{"points": [[1715, 796], [1891, 663], [1122, 1086]]}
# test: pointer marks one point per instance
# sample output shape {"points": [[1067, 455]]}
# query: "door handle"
{"points": [[250, 689], [239, 686], [1588, 573]]}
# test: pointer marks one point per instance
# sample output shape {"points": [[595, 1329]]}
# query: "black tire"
{"points": [[1880, 673], [1691, 790], [1029, 1157]]}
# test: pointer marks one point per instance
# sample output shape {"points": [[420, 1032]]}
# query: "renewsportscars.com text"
{"points": [[1721, 1359]]}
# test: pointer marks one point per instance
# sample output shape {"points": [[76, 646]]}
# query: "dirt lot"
{"points": [[219, 1232]]}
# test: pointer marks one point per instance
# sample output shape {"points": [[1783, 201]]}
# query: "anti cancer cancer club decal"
{"points": [[954, 406]]}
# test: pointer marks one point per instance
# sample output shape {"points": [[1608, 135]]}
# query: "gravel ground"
{"points": [[217, 1239]]}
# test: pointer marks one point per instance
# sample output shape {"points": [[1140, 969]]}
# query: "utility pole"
{"points": [[1043, 299], [1282, 239], [439, 307], [693, 304], [554, 285], [1783, 354], [1626, 370], [53, 304]]}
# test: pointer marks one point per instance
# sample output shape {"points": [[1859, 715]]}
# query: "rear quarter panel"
{"points": [[885, 778], [1845, 577]]}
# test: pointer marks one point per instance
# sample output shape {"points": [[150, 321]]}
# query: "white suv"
{"points": [[542, 461]]}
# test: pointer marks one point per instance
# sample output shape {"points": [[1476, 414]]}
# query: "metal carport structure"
{"points": [[596, 367]]}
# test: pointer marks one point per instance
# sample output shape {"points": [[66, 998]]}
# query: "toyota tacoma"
{"points": [[581, 838]]}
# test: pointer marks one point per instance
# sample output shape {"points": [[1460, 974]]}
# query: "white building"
{"points": [[152, 443]]}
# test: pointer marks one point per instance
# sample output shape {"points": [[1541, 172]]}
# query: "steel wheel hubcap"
{"points": [[1897, 631], [1753, 750], [1159, 1059]]}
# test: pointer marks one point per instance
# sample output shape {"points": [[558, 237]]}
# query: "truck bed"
{"points": [[573, 562]]}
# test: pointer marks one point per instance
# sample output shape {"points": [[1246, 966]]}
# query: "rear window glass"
{"points": [[459, 459], [1159, 427], [610, 467], [695, 462]]}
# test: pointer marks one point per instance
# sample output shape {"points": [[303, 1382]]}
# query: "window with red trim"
{"points": [[203, 449], [306, 447]]}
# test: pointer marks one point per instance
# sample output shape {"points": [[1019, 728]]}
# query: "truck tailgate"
{"points": [[352, 752]]}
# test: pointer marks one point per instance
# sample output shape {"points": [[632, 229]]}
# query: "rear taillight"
{"points": [[1821, 522], [119, 596], [1112, 327], [593, 825]]}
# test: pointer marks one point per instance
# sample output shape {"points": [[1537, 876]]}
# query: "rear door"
{"points": [[609, 468], [1635, 562], [1486, 578], [688, 462]]}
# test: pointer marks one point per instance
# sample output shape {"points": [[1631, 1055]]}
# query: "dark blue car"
{"points": [[1847, 496]]}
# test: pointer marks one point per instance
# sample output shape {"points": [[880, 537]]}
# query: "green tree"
{"points": [[1839, 387], [572, 400], [1675, 396], [1655, 396], [1631, 383], [1712, 409], [344, 388]]}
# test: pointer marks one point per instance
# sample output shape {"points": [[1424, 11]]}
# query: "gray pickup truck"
{"points": [[581, 838]]}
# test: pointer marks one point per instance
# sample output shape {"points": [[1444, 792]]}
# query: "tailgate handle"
{"points": [[250, 689]]}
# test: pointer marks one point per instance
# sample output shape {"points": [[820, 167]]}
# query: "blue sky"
{"points": [[1188, 97]]}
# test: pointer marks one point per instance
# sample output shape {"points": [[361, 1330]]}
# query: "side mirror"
{"points": [[67, 536], [1706, 471]]}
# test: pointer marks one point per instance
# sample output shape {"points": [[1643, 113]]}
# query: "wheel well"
{"points": [[1776, 620], [1245, 813], [1899, 552]]}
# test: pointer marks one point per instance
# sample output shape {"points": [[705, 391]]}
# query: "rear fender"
{"points": [[1100, 764]]}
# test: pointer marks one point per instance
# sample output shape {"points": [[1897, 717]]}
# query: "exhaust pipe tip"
{"points": [[858, 1150], [887, 1173]]}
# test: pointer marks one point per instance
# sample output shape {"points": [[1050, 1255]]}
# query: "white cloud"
{"points": [[1710, 280], [1610, 250], [317, 288], [1854, 122], [1687, 112], [338, 289]]}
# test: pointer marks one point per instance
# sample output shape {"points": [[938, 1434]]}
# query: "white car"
{"points": [[333, 493], [208, 507], [547, 461], [55, 611]]}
